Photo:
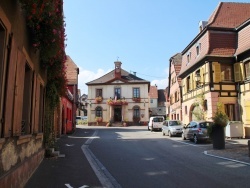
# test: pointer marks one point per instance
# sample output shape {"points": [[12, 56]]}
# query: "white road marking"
{"points": [[68, 185], [106, 179], [205, 152], [69, 144]]}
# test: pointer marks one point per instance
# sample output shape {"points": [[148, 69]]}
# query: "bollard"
{"points": [[248, 148]]}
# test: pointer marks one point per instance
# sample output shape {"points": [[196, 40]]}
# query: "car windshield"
{"points": [[78, 117], [205, 124], [158, 119], [174, 123]]}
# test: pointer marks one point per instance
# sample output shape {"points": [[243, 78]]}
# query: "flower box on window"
{"points": [[98, 99], [116, 102], [136, 99], [98, 119]]}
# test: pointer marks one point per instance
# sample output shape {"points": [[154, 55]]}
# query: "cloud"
{"points": [[87, 76], [161, 84]]}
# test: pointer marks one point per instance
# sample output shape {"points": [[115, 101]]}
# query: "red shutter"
{"points": [[10, 90], [19, 87], [37, 105]]}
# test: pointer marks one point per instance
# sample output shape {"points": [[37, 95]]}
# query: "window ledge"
{"points": [[39, 135], [23, 139]]}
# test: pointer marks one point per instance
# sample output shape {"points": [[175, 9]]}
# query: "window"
{"points": [[198, 78], [151, 100], [226, 72], [136, 92], [176, 96], [230, 111], [198, 48], [136, 112], [27, 97], [98, 92], [118, 93], [188, 58], [247, 69], [188, 83], [185, 110], [98, 111]]}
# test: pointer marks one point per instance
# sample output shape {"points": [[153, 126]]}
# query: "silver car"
{"points": [[172, 128], [196, 131]]}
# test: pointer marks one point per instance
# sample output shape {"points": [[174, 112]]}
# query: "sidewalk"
{"points": [[235, 150], [70, 171]]}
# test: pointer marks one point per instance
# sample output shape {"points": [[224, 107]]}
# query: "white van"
{"points": [[155, 123]]}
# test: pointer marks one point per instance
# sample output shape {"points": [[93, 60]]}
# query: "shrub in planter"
{"points": [[216, 131]]}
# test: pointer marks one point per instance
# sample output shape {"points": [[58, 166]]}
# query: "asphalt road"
{"points": [[133, 157], [136, 157]]}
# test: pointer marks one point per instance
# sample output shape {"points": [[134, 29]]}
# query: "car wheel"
{"points": [[169, 134], [195, 139], [183, 137]]}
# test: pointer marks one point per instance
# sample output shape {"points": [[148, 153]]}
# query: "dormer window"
{"points": [[198, 48], [188, 57]]}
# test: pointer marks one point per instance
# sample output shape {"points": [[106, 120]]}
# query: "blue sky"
{"points": [[144, 34]]}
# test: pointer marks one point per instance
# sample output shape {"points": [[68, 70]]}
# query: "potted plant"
{"points": [[98, 120], [98, 99], [136, 99], [217, 130]]}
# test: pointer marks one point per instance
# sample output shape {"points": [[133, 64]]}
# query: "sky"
{"points": [[142, 34]]}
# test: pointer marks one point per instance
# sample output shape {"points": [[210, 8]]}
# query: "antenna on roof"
{"points": [[117, 58]]}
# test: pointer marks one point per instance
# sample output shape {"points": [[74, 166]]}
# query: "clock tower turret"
{"points": [[118, 69]]}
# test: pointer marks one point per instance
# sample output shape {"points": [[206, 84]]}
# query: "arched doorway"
{"points": [[196, 113], [117, 114]]}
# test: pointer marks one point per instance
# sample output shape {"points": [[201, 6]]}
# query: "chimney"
{"points": [[118, 69], [202, 25]]}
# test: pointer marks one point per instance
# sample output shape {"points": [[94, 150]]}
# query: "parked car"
{"points": [[155, 123], [172, 128], [196, 131], [81, 119]]}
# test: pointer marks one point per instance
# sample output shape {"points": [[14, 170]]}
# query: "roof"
{"points": [[153, 92], [177, 61], [72, 71], [237, 12], [226, 17], [125, 77]]}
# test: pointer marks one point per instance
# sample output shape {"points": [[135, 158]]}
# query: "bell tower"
{"points": [[118, 69]]}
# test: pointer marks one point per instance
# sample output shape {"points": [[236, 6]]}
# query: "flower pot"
{"points": [[218, 137]]}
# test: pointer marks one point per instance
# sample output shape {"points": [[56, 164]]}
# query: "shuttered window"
{"points": [[247, 108], [237, 72], [217, 72], [247, 69], [27, 99]]}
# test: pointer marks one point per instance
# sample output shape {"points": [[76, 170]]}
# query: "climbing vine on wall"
{"points": [[47, 29]]}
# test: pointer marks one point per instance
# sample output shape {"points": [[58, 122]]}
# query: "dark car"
{"points": [[196, 131]]}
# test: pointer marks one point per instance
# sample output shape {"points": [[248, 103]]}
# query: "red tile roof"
{"points": [[71, 71], [229, 15], [153, 92]]}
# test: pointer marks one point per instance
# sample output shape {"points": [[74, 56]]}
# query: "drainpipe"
{"points": [[239, 101]]}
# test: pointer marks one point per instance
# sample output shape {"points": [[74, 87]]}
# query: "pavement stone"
{"points": [[235, 149]]}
